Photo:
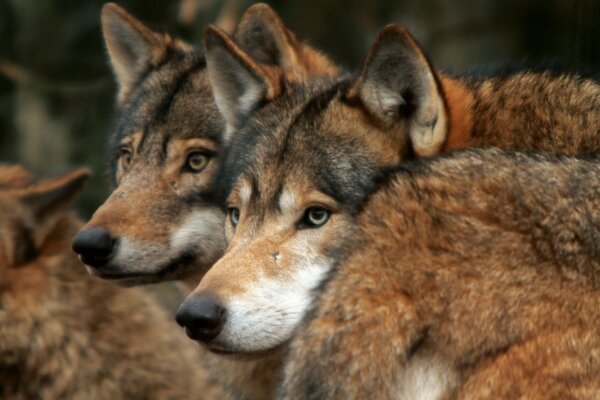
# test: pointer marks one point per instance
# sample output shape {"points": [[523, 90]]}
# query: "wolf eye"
{"points": [[196, 161], [234, 215], [315, 217], [125, 156]]}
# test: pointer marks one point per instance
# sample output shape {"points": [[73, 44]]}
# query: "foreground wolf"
{"points": [[299, 170], [333, 137], [163, 220], [455, 281], [66, 335]]}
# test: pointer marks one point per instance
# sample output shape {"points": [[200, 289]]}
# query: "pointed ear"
{"points": [[398, 85], [262, 33], [48, 199], [131, 46], [239, 83]]}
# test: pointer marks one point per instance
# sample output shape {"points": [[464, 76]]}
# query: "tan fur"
{"points": [[66, 335], [481, 278]]}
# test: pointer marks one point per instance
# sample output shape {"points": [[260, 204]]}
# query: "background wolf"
{"points": [[66, 335]]}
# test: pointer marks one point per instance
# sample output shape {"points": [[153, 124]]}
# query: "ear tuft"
{"points": [[132, 47], [239, 83], [398, 84]]}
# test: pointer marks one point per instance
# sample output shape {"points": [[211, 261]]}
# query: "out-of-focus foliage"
{"points": [[57, 92]]}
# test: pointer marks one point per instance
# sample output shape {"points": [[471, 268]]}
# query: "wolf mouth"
{"points": [[245, 355], [181, 262]]}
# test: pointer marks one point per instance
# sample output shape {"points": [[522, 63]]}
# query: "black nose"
{"points": [[94, 245], [202, 317]]}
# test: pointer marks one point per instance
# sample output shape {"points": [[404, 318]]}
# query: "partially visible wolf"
{"points": [[66, 335], [300, 167]]}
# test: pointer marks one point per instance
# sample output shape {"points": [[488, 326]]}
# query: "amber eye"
{"points": [[125, 157], [315, 217], [234, 216], [196, 161]]}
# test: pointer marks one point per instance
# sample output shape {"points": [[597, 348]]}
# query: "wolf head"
{"points": [[296, 173], [164, 219], [34, 236], [31, 210]]}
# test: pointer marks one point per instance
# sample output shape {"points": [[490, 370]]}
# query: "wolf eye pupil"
{"points": [[316, 216], [234, 214], [197, 161]]}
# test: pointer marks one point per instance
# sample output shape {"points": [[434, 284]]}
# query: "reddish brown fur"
{"points": [[479, 278], [534, 111]]}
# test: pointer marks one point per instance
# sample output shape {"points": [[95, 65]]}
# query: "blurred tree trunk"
{"points": [[43, 137]]}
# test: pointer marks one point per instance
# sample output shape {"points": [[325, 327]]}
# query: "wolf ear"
{"points": [[14, 177], [131, 45], [240, 84], [397, 84], [263, 34], [49, 199]]}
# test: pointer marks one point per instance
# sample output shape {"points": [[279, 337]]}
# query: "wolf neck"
{"points": [[459, 101], [538, 111]]}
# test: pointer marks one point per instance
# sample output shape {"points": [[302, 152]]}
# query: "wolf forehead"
{"points": [[173, 100], [288, 139]]}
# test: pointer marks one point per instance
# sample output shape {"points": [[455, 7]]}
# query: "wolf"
{"points": [[459, 281], [66, 335], [299, 168], [164, 220]]}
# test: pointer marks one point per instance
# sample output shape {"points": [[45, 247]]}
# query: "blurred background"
{"points": [[57, 91]]}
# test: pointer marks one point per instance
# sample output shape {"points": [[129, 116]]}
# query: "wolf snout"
{"points": [[202, 317], [94, 245]]}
